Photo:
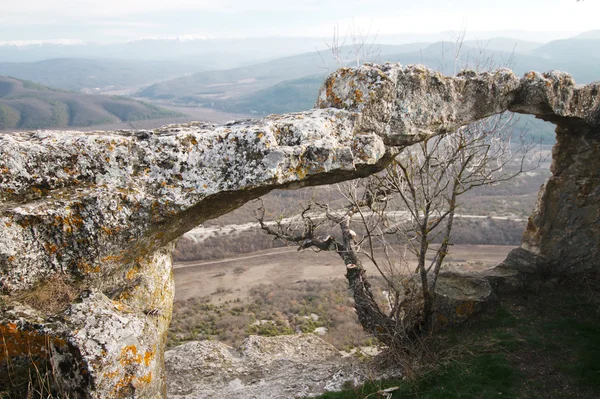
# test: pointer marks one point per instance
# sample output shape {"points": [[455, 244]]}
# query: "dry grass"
{"points": [[51, 295], [32, 377], [300, 307]]}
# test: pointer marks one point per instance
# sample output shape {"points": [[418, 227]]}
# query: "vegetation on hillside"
{"points": [[91, 74], [28, 105], [287, 96], [271, 310]]}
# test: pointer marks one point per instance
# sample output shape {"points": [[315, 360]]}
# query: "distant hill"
{"points": [[593, 34], [291, 83], [580, 48], [88, 74], [218, 50], [287, 96], [211, 87], [503, 44], [28, 105]]}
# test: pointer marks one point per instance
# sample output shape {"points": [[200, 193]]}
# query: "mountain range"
{"points": [[238, 76], [28, 105], [292, 83]]}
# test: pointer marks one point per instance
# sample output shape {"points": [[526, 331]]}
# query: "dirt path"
{"points": [[232, 278]]}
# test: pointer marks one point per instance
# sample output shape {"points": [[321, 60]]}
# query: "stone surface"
{"points": [[286, 366], [102, 209]]}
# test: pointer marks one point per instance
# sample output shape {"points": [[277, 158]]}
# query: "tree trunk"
{"points": [[370, 316]]}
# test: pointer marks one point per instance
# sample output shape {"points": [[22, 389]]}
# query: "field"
{"points": [[233, 278], [282, 291]]}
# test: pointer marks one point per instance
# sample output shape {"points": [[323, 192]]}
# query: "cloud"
{"points": [[96, 8], [90, 19]]}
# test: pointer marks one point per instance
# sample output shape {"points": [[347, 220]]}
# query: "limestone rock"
{"points": [[102, 209], [286, 366]]}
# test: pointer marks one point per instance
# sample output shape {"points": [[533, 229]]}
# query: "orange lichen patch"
{"points": [[69, 223], [300, 171], [330, 93], [69, 171], [87, 268], [11, 258], [129, 355], [345, 72], [130, 380], [51, 248], [110, 374], [132, 273], [530, 75], [112, 258], [465, 309], [145, 379], [111, 231], [125, 295], [23, 343], [118, 305], [148, 356], [358, 96]]}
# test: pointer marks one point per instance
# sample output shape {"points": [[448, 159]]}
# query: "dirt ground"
{"points": [[232, 278]]}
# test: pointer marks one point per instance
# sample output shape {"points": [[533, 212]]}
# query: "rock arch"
{"points": [[104, 208]]}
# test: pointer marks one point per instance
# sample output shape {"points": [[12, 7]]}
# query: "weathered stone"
{"points": [[286, 366], [459, 298], [103, 208]]}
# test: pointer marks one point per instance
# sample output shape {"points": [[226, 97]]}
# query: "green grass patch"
{"points": [[480, 376], [538, 345]]}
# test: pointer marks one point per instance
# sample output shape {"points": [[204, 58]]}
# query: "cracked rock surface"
{"points": [[282, 367], [102, 209]]}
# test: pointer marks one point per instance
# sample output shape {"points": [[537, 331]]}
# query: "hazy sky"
{"points": [[118, 20]]}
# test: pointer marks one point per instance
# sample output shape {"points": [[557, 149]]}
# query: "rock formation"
{"points": [[287, 366], [100, 211]]}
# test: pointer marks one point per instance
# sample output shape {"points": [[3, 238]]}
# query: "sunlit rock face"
{"points": [[102, 209]]}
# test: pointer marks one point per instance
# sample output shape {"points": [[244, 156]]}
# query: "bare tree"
{"points": [[361, 48], [410, 207]]}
